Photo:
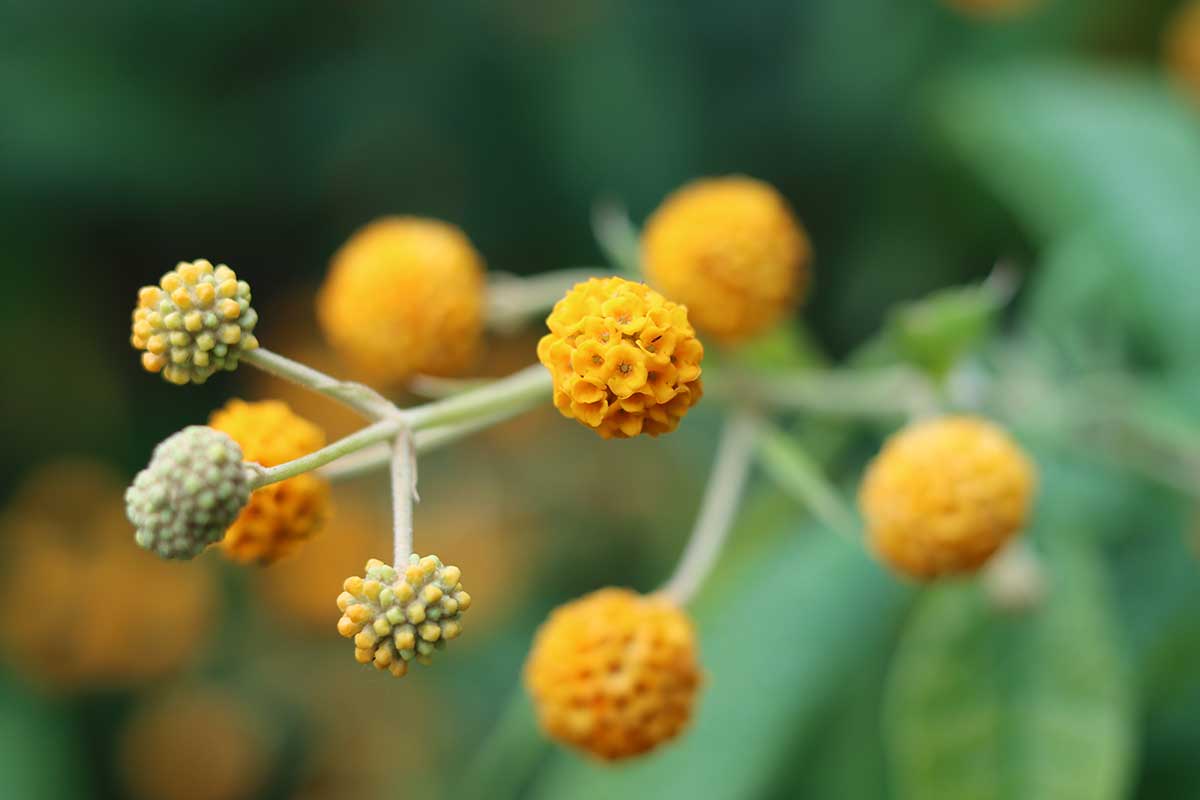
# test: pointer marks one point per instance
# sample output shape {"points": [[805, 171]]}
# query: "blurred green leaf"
{"points": [[38, 757], [1056, 142], [1034, 707], [807, 611], [938, 330]]}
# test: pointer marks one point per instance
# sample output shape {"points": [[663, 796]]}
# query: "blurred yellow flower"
{"points": [[404, 295], [944, 495], [731, 250], [195, 744], [1182, 47], [88, 609]]}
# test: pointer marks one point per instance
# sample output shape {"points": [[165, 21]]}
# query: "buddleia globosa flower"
{"points": [[196, 321], [731, 250], [944, 495], [398, 616], [625, 360], [404, 295], [614, 673], [1182, 46], [280, 516], [192, 491]]}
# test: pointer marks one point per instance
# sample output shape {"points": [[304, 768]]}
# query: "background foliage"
{"points": [[919, 146]]}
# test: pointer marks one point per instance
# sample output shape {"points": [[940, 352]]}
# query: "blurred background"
{"points": [[920, 143]]}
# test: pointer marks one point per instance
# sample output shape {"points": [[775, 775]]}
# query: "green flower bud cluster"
{"points": [[397, 617], [198, 320], [192, 490]]}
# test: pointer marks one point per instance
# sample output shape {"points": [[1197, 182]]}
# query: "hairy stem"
{"points": [[798, 474], [731, 466], [363, 399], [497, 401], [404, 493], [513, 299], [886, 392]]}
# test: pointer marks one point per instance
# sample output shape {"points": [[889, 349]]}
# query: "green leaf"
{"points": [[39, 758], [776, 641], [1035, 707], [1070, 147], [938, 330]]}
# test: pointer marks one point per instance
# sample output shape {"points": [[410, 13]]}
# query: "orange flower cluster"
{"points": [[625, 360], [614, 673], [281, 516], [944, 495]]}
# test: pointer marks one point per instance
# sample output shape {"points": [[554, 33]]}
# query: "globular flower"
{"points": [[404, 295], [944, 495], [88, 610], [192, 491], [614, 673], [281, 516], [396, 617], [732, 251], [624, 359], [198, 320], [1182, 47]]}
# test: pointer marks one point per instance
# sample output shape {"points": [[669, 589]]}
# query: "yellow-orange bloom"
{"points": [[281, 516], [1182, 47], [404, 295], [944, 495], [625, 360], [614, 673], [731, 250], [197, 321]]}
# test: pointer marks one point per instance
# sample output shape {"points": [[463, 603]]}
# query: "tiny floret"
{"points": [[404, 295], [625, 360], [283, 515], [198, 320], [193, 489], [615, 673], [400, 615], [732, 251], [944, 495]]}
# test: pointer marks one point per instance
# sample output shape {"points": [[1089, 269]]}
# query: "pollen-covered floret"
{"points": [[193, 489], [614, 673], [944, 495], [404, 295], [625, 360], [196, 321], [396, 617], [732, 251], [1182, 47], [280, 516]]}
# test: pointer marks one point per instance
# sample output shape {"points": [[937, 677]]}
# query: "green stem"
{"points": [[722, 494], [618, 238], [496, 401], [363, 399], [798, 474], [877, 393], [404, 494]]}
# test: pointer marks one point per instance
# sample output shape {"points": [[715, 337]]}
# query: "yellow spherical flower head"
{"points": [[732, 251], [198, 320], [1182, 46], [281, 516], [625, 360], [944, 495], [404, 295], [614, 673], [396, 617]]}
